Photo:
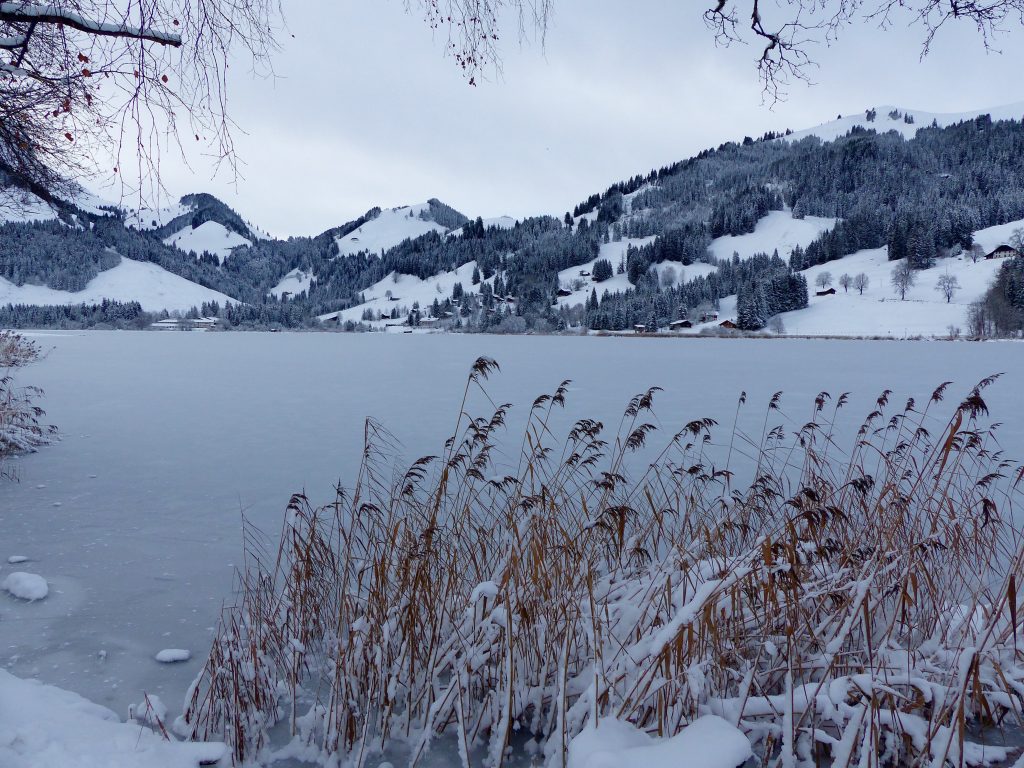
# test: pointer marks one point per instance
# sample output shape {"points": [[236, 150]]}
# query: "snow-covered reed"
{"points": [[855, 602], [21, 430]]}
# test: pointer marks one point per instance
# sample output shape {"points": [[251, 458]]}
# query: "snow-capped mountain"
{"points": [[881, 185], [906, 122]]}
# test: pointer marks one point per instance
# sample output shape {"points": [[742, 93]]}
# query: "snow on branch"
{"points": [[15, 12]]}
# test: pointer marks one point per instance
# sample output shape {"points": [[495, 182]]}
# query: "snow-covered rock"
{"points": [[46, 727], [25, 586], [173, 655], [15, 559], [708, 742]]}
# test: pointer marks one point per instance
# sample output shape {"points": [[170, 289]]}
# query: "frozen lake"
{"points": [[167, 439]]}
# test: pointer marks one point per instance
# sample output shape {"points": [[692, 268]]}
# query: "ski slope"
{"points": [[883, 123], [778, 230], [387, 230], [210, 236], [152, 286]]}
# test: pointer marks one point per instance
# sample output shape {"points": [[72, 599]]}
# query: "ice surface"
{"points": [[168, 439], [25, 586]]}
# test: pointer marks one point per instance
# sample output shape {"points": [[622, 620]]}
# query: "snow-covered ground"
{"points": [[152, 286], [883, 123], [210, 236], [46, 727], [295, 282], [387, 230], [778, 230]]}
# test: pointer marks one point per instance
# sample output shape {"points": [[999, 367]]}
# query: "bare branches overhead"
{"points": [[782, 33], [81, 79]]}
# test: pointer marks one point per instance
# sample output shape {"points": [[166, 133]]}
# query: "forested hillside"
{"points": [[920, 198]]}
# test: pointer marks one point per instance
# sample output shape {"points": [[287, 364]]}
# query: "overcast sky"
{"points": [[366, 110]]}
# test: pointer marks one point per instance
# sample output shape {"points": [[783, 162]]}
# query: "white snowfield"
{"points": [[295, 282], [210, 236], [883, 123], [387, 230], [778, 230], [42, 726], [152, 286]]}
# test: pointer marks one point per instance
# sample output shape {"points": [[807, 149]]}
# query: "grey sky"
{"points": [[367, 111]]}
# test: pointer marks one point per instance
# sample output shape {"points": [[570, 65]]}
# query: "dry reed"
{"points": [[851, 606]]}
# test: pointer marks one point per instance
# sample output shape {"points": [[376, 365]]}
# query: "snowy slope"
{"points": [[501, 222], [17, 205], [778, 230], [295, 282], [880, 312], [582, 285], [209, 236], [387, 230], [42, 726], [152, 286], [153, 218], [883, 123], [405, 290]]}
